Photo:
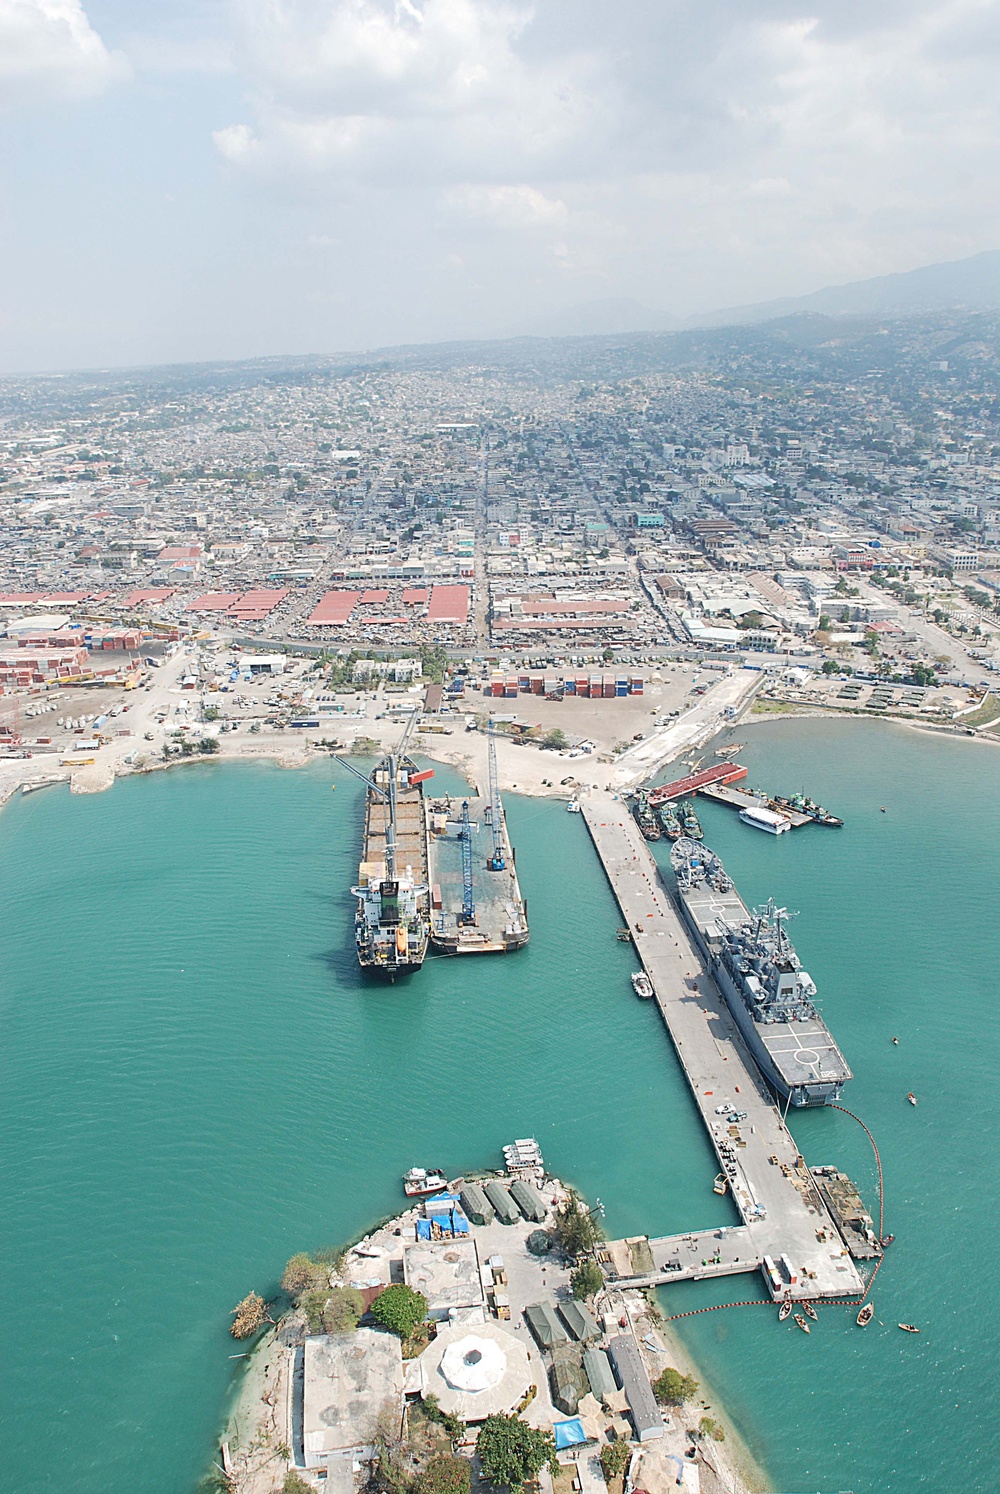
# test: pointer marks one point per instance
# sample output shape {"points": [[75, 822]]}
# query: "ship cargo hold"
{"points": [[392, 918], [753, 962]]}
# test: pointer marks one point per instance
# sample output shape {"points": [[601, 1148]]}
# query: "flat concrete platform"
{"points": [[695, 1256], [501, 923], [771, 1186]]}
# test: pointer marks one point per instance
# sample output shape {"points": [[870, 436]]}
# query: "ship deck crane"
{"points": [[498, 860], [468, 892]]}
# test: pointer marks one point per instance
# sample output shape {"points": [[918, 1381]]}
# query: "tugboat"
{"points": [[671, 824], [690, 823], [419, 1182], [645, 816], [803, 805], [641, 985]]}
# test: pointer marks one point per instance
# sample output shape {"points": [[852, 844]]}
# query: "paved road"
{"points": [[777, 1199]]}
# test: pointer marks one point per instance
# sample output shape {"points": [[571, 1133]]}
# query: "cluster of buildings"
{"points": [[565, 500]]}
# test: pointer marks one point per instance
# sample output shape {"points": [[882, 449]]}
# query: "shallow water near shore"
{"points": [[197, 1081]]}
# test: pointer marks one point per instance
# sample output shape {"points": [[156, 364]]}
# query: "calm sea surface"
{"points": [[195, 1082]]}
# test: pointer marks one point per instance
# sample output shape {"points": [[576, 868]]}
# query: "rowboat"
{"points": [[865, 1315], [801, 1322], [809, 1311], [908, 1328], [784, 1311]]}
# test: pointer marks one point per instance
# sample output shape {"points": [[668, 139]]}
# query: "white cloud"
{"points": [[684, 156], [49, 48], [515, 207]]}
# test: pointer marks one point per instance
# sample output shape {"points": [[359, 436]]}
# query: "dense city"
{"points": [[816, 498]]}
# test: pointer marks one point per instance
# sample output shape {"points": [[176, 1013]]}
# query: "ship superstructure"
{"points": [[753, 962], [392, 919]]}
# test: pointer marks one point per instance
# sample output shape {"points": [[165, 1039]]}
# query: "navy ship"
{"points": [[392, 918], [753, 962]]}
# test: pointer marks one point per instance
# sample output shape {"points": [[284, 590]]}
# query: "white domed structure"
{"points": [[474, 1364], [475, 1370]]}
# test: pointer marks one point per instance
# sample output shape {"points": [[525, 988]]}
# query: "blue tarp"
{"points": [[452, 1223], [569, 1433]]}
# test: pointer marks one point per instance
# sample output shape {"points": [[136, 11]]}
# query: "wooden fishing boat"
{"points": [[908, 1328], [866, 1314], [810, 1311], [801, 1322], [784, 1311]]}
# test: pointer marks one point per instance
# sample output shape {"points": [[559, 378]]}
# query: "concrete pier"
{"points": [[781, 1207]]}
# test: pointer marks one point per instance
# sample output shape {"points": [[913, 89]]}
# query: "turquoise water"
{"points": [[197, 1082]]}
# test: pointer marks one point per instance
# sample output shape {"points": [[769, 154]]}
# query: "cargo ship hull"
{"points": [[392, 920]]}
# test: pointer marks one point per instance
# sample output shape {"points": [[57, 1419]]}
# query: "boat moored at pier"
{"points": [[754, 964]]}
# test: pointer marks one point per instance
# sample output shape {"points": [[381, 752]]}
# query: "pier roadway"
{"points": [[771, 1186], [695, 1256]]}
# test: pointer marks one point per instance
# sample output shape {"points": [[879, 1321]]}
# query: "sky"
{"points": [[186, 180]]}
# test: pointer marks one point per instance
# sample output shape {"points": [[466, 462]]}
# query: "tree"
{"points": [[615, 1458], [586, 1280], [555, 739], [208, 744], [400, 1309], [211, 713], [249, 1316], [576, 1229], [296, 1484], [824, 623], [511, 1452], [673, 1389], [343, 1310], [831, 666], [445, 1474], [303, 1274]]}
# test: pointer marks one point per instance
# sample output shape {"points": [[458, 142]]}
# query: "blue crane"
{"points": [[468, 895], [498, 860]]}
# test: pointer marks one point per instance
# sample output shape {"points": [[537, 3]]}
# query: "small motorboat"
{"points": [[800, 1322], [908, 1327], [642, 985], [887, 1240], [720, 1185], [419, 1182], [895, 1042], [912, 1098], [866, 1314], [810, 1311], [574, 807], [784, 1311]]}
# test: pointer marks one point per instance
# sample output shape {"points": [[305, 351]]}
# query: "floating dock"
{"points": [[696, 782], [740, 799], [475, 908], [787, 1231]]}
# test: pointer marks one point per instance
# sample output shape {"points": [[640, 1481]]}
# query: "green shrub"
{"points": [[400, 1309], [586, 1280], [673, 1389], [445, 1475], [343, 1311], [511, 1452], [614, 1459]]}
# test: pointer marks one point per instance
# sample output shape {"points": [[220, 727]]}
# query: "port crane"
{"points": [[498, 860], [468, 893]]}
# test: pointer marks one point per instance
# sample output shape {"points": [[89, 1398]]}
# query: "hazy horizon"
{"points": [[227, 179]]}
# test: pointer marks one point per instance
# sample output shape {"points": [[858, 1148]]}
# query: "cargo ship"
{"points": [[392, 919], [753, 962]]}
